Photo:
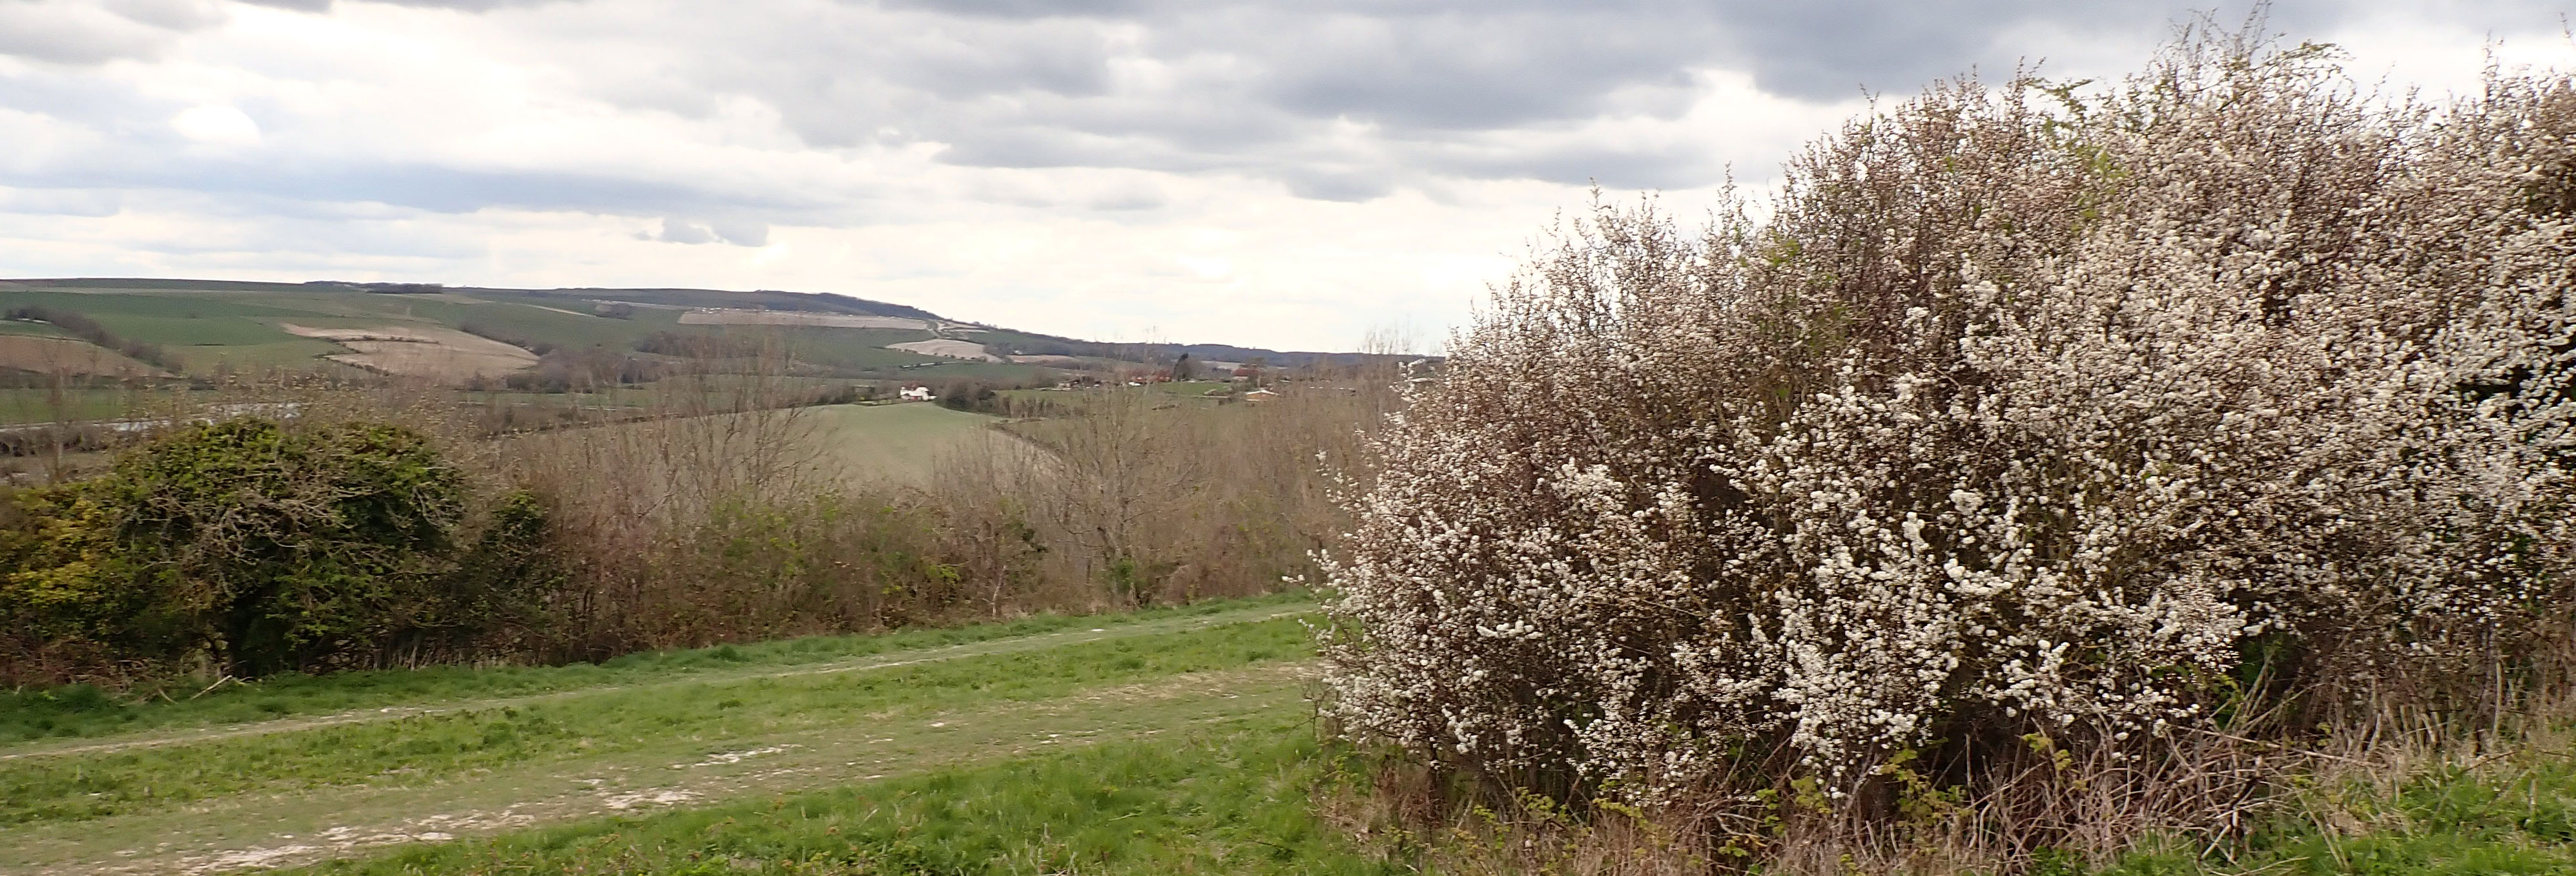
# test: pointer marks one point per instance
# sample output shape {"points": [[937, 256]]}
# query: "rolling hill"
{"points": [[203, 327]]}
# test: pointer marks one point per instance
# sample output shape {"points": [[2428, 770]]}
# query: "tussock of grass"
{"points": [[428, 748], [82, 711], [2515, 813], [1228, 799]]}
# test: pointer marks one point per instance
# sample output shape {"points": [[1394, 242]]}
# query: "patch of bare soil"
{"points": [[420, 351], [951, 348]]}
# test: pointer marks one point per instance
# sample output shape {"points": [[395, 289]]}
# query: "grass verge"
{"points": [[82, 711], [1233, 798], [676, 720]]}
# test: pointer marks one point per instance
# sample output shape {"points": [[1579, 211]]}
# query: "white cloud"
{"points": [[1268, 175], [217, 124]]}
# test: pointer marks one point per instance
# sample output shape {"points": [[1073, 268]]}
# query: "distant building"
{"points": [[916, 393]]}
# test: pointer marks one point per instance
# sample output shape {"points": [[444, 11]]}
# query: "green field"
{"points": [[209, 325], [31, 405], [903, 442]]}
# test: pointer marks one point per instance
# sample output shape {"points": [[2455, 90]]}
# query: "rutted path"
{"points": [[1040, 641], [278, 827]]}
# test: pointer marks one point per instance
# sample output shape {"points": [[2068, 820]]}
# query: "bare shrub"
{"points": [[714, 517], [2030, 475], [1130, 497], [639, 504]]}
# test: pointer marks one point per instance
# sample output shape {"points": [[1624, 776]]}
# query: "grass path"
{"points": [[316, 787], [1016, 644]]}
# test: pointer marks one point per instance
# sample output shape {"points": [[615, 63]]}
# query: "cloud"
{"points": [[216, 124], [173, 15], [65, 32], [463, 5], [1276, 90], [741, 232], [87, 203], [734, 231], [678, 231], [1053, 158]]}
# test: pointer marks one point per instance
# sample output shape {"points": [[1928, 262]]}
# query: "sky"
{"points": [[1289, 175]]}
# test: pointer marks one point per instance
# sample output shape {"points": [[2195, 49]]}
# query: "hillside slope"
{"points": [[346, 327]]}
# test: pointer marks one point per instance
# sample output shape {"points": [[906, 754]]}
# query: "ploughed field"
{"points": [[1024, 746]]}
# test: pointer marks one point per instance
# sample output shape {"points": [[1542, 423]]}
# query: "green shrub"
{"points": [[256, 548]]}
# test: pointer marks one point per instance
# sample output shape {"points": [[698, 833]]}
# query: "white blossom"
{"points": [[2039, 423]]}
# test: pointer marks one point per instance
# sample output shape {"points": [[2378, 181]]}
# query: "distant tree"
{"points": [[1182, 368], [489, 331], [694, 345], [968, 395]]}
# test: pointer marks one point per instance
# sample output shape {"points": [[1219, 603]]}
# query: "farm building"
{"points": [[916, 393]]}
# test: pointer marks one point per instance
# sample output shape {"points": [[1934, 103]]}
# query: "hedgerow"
{"points": [[2038, 462]]}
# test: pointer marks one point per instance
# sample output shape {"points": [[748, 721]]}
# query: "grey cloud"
{"points": [[1834, 49], [1333, 99], [1471, 72], [65, 33], [1029, 8], [1436, 88], [426, 187], [1261, 89], [1638, 168], [741, 232], [178, 15], [678, 231], [463, 5], [462, 190], [738, 232], [1338, 184], [1431, 76], [973, 59]]}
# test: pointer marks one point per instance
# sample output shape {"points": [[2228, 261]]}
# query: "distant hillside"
{"points": [[449, 331]]}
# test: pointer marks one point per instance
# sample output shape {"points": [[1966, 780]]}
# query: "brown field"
{"points": [[69, 356], [798, 317], [952, 349], [420, 351]]}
